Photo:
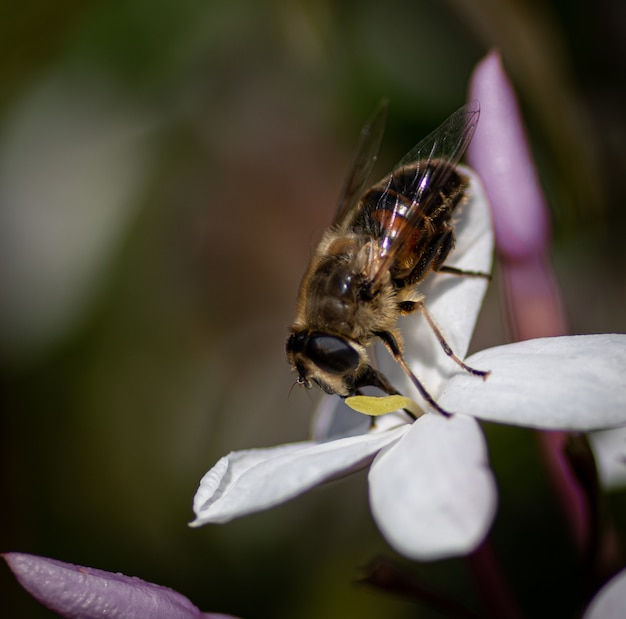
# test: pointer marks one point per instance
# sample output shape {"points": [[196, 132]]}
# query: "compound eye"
{"points": [[332, 354]]}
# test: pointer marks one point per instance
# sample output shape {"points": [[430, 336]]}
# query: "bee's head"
{"points": [[330, 361]]}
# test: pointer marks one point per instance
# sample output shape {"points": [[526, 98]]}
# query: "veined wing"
{"points": [[406, 198], [364, 160]]}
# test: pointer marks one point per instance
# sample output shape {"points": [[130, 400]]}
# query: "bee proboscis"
{"points": [[383, 242]]}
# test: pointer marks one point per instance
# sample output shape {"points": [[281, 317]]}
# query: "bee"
{"points": [[383, 242]]}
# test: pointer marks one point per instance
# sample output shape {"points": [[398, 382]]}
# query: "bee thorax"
{"points": [[334, 312]]}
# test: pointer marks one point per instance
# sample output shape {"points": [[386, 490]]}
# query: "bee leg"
{"points": [[442, 251], [462, 273], [392, 344], [446, 347]]}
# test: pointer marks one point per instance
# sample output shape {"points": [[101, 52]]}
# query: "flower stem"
{"points": [[493, 587], [383, 574]]}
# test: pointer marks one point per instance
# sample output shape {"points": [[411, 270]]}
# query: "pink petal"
{"points": [[500, 154], [87, 593]]}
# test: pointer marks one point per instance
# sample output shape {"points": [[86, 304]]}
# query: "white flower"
{"points": [[609, 449], [610, 601], [432, 492]]}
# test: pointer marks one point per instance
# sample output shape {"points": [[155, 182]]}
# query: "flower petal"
{"points": [[609, 448], [244, 482], [560, 383], [453, 301], [433, 494], [333, 418], [501, 155], [610, 602], [87, 593]]}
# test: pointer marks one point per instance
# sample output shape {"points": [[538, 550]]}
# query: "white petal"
{"points": [[474, 230], [333, 418], [609, 448], [610, 602], [453, 301], [567, 383], [433, 494], [244, 482]]}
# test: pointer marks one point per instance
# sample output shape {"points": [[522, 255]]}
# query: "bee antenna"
{"points": [[295, 382]]}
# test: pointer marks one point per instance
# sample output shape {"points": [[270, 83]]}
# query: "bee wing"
{"points": [[417, 179], [364, 160]]}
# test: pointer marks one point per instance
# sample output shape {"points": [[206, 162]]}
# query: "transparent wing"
{"points": [[364, 160], [413, 188]]}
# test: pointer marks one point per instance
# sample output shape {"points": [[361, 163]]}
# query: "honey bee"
{"points": [[366, 270]]}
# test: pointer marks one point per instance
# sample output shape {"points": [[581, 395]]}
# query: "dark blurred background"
{"points": [[165, 169]]}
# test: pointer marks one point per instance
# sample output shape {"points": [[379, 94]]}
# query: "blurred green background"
{"points": [[165, 169]]}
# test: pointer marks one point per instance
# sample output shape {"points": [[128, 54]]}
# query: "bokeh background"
{"points": [[165, 169]]}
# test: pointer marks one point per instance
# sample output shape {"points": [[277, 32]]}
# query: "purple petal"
{"points": [[87, 593], [433, 494], [248, 481], [499, 152], [501, 155], [533, 301]]}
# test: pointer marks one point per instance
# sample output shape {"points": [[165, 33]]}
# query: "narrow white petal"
{"points": [[433, 494], [568, 383], [610, 602], [609, 448], [453, 301], [244, 482], [333, 418], [474, 229]]}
